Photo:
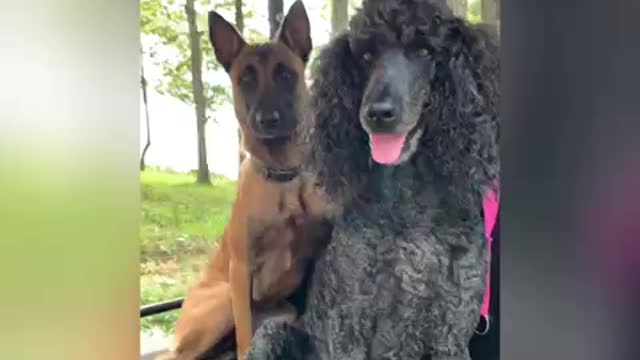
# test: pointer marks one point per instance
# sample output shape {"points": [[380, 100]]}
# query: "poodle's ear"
{"points": [[225, 39], [467, 96], [339, 146], [472, 65], [295, 31]]}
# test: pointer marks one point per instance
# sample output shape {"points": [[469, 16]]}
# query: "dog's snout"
{"points": [[381, 110], [268, 120]]}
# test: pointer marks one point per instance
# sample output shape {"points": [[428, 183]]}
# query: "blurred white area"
{"points": [[173, 136], [152, 342]]}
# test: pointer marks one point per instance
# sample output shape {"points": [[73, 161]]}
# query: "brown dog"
{"points": [[276, 224]]}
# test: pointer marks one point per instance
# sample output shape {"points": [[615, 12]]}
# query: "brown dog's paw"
{"points": [[166, 356]]}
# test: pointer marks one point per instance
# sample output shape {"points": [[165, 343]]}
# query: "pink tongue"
{"points": [[386, 149]]}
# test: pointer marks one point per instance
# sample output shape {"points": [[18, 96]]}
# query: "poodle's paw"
{"points": [[278, 340]]}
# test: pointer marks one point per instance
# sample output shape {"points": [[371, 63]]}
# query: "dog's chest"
{"points": [[392, 248], [394, 278], [377, 274], [288, 223], [281, 245]]}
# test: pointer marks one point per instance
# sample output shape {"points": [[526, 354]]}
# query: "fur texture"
{"points": [[404, 275]]}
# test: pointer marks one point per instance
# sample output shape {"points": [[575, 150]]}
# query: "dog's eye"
{"points": [[248, 76], [284, 74], [422, 52], [367, 56], [245, 79]]}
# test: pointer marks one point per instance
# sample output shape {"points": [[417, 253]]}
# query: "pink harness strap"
{"points": [[490, 206]]}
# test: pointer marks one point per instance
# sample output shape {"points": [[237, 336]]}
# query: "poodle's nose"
{"points": [[268, 121], [381, 111]]}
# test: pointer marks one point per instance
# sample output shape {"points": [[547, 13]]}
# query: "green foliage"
{"points": [[474, 14], [163, 25], [353, 5], [179, 216], [325, 15], [180, 224], [255, 36], [160, 282]]}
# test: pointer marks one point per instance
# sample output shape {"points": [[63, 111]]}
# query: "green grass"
{"points": [[181, 223]]}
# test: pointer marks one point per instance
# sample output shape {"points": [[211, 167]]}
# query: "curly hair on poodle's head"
{"points": [[453, 94]]}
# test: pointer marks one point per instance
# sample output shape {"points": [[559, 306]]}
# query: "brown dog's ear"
{"points": [[295, 31], [225, 40]]}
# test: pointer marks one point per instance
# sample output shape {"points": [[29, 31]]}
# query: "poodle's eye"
{"points": [[422, 52], [368, 56]]}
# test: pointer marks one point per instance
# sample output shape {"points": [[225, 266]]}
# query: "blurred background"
{"points": [[189, 140]]}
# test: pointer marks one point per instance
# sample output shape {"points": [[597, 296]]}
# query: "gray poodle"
{"points": [[405, 144]]}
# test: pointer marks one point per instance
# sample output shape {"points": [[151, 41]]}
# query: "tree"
{"points": [[143, 85], [474, 12], [459, 8], [339, 16], [239, 16], [169, 26], [166, 39], [490, 13], [240, 27], [276, 14], [198, 92], [353, 5]]}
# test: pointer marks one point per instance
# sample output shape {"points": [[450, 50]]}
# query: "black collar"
{"points": [[276, 175]]}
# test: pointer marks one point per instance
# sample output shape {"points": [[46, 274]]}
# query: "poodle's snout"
{"points": [[381, 115], [381, 111]]}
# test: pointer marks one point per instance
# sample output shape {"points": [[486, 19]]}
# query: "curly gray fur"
{"points": [[404, 275]]}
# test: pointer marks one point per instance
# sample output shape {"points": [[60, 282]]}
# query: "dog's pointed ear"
{"points": [[225, 39], [295, 31]]}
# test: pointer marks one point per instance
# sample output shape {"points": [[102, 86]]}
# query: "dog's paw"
{"points": [[169, 355]]}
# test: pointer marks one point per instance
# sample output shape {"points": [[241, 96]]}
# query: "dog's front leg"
{"points": [[239, 273], [241, 303]]}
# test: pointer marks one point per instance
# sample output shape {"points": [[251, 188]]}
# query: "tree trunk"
{"points": [[339, 16], [490, 11], [143, 85], [239, 16], [276, 14], [198, 93], [240, 27], [459, 8]]}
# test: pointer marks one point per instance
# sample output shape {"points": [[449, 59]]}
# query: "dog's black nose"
{"points": [[381, 111], [269, 120]]}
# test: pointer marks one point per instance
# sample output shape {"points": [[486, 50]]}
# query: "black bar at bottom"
{"points": [[159, 308]]}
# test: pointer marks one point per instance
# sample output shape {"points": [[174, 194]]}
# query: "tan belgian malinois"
{"points": [[277, 224]]}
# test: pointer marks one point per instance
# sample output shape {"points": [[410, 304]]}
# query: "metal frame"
{"points": [[159, 308]]}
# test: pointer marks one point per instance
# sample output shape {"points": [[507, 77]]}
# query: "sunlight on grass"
{"points": [[181, 223]]}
